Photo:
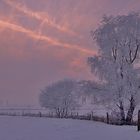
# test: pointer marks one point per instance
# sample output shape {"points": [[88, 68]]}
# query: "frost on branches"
{"points": [[59, 97], [118, 62]]}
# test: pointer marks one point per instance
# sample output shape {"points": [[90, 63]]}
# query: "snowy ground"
{"points": [[22, 128]]}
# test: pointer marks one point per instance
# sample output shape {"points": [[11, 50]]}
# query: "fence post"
{"points": [[77, 115], [107, 118], [40, 114], [92, 115], [138, 124]]}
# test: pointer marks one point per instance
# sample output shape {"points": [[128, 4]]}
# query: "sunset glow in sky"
{"points": [[42, 41]]}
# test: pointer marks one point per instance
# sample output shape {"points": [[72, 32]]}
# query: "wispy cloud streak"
{"points": [[36, 36], [44, 18]]}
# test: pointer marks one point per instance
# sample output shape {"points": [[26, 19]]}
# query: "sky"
{"points": [[43, 41]]}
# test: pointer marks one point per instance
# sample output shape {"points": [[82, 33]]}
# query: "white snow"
{"points": [[28, 128]]}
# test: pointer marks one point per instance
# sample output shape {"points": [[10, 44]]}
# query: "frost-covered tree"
{"points": [[117, 64], [59, 97], [90, 91]]}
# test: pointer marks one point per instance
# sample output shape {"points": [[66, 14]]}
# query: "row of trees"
{"points": [[64, 96], [117, 65]]}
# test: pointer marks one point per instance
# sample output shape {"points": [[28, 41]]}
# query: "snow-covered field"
{"points": [[27, 128]]}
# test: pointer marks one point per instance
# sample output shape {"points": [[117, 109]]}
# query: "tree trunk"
{"points": [[138, 120], [130, 112], [122, 113], [107, 118]]}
